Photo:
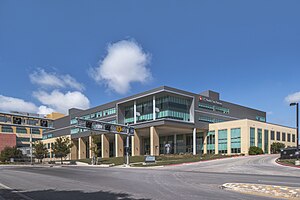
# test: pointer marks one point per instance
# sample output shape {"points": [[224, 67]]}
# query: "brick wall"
{"points": [[7, 140]]}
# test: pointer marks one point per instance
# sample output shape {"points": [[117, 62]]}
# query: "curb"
{"points": [[287, 165]]}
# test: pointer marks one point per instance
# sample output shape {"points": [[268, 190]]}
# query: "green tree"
{"points": [[10, 152], [276, 146], [40, 151], [96, 139], [255, 150], [61, 147]]}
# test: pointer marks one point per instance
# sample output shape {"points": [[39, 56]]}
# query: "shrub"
{"points": [[255, 150], [10, 152], [276, 146]]}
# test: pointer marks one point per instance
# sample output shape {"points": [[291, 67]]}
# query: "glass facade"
{"points": [[109, 111], [5, 119], [266, 141], [235, 134], [259, 138], [222, 141], [144, 111], [173, 108], [252, 137], [129, 115], [211, 142]]}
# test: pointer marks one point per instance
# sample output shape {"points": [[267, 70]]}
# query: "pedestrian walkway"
{"points": [[265, 190]]}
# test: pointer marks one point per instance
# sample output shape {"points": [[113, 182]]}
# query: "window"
{"points": [[5, 119], [206, 106], [235, 134], [266, 141], [259, 118], [173, 108], [293, 138], [283, 136], [36, 131], [211, 142], [98, 114], [278, 136], [144, 111], [21, 130], [289, 137], [109, 111], [73, 121], [7, 129], [208, 119], [32, 122], [252, 137], [74, 130], [221, 109], [272, 135], [259, 138], [222, 141]]}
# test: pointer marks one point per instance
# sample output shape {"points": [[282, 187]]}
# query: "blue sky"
{"points": [[246, 50]]}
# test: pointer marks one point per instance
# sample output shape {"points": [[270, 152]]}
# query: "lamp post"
{"points": [[297, 125]]}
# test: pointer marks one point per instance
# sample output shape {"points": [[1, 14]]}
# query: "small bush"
{"points": [[255, 150]]}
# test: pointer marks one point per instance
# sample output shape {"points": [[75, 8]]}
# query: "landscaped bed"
{"points": [[137, 161]]}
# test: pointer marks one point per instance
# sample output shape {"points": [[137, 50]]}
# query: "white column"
{"points": [[175, 145], [134, 112], [194, 141], [154, 113]]}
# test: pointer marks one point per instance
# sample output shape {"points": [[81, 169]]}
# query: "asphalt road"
{"points": [[192, 181]]}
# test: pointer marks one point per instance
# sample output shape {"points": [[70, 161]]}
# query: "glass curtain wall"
{"points": [[235, 135], [222, 141], [144, 111], [129, 115], [173, 108]]}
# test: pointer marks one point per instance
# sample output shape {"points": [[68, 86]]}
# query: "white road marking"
{"points": [[14, 191]]}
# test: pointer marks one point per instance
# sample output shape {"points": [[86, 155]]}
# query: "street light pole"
{"points": [[31, 146]]}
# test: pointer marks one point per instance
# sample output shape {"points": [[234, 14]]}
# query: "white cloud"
{"points": [[44, 110], [293, 98], [61, 102], [45, 79], [15, 104], [124, 64]]}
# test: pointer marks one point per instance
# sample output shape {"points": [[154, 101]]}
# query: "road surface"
{"points": [[192, 181]]}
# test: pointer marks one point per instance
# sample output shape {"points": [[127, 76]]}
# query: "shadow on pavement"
{"points": [[63, 195]]}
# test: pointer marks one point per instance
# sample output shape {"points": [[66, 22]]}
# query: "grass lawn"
{"points": [[137, 161], [287, 161]]}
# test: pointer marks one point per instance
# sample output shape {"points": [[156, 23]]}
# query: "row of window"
{"points": [[235, 135], [208, 119], [214, 108], [21, 139], [96, 115], [282, 136], [9, 129]]}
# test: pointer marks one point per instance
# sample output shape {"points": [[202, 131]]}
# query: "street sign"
{"points": [[102, 126]]}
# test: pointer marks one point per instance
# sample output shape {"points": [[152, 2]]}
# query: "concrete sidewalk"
{"points": [[264, 190]]}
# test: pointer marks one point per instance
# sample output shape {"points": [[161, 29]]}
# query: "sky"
{"points": [[60, 54]]}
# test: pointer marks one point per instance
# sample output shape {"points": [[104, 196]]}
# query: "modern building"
{"points": [[165, 116], [16, 128]]}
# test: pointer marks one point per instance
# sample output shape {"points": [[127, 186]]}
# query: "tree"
{"points": [[61, 147], [255, 150], [96, 139], [10, 152], [276, 146], [40, 151]]}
